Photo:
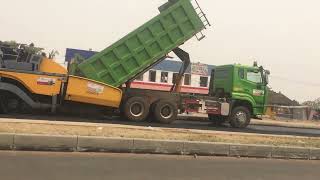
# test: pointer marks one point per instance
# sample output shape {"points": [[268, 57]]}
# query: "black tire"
{"points": [[151, 117], [2, 106], [240, 117], [12, 104], [136, 109], [165, 111], [217, 120]]}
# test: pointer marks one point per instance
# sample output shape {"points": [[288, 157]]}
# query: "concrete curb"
{"points": [[290, 153], [206, 149], [158, 146], [103, 144], [258, 151], [6, 141], [30, 142], [45, 142]]}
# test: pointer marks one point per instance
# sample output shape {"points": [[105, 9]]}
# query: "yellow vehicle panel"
{"points": [[88, 91], [36, 83], [49, 66]]}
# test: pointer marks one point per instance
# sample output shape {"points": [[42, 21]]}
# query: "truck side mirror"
{"points": [[267, 72]]}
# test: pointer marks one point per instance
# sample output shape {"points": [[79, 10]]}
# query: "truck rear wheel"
{"points": [[165, 112], [240, 117], [217, 120], [136, 109]]}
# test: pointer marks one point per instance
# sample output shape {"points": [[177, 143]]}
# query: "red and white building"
{"points": [[161, 77]]}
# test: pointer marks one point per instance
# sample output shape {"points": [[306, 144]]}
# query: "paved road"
{"points": [[76, 166], [201, 125]]}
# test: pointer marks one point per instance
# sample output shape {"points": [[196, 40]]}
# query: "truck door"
{"points": [[253, 86]]}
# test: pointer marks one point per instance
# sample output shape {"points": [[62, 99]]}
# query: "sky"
{"points": [[282, 35]]}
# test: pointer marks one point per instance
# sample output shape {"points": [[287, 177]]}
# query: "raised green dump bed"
{"points": [[177, 22]]}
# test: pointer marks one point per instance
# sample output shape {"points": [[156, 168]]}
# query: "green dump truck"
{"points": [[237, 92]]}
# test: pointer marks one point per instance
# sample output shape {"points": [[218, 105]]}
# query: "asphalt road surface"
{"points": [[85, 166]]}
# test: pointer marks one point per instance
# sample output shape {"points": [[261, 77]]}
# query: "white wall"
{"points": [[195, 79]]}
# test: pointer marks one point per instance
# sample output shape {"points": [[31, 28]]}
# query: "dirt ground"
{"points": [[129, 131]]}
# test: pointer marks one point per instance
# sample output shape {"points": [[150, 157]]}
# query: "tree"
{"points": [[53, 54], [314, 104]]}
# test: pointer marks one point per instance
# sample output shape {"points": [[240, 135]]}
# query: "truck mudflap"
{"points": [[88, 91]]}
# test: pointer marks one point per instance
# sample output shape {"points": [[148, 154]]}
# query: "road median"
{"points": [[144, 132], [36, 142]]}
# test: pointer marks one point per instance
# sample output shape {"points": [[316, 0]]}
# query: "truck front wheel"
{"points": [[240, 117], [136, 109], [165, 112]]}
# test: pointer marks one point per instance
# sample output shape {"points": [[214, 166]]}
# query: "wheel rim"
{"points": [[241, 117], [136, 109], [166, 112]]}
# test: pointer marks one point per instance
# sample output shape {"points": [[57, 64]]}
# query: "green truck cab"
{"points": [[244, 88]]}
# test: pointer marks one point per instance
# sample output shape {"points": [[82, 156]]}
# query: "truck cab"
{"points": [[244, 88]]}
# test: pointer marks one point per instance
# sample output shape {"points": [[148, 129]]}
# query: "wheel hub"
{"points": [[166, 112], [136, 109], [241, 117]]}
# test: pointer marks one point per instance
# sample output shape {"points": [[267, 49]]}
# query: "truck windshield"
{"points": [[254, 77]]}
